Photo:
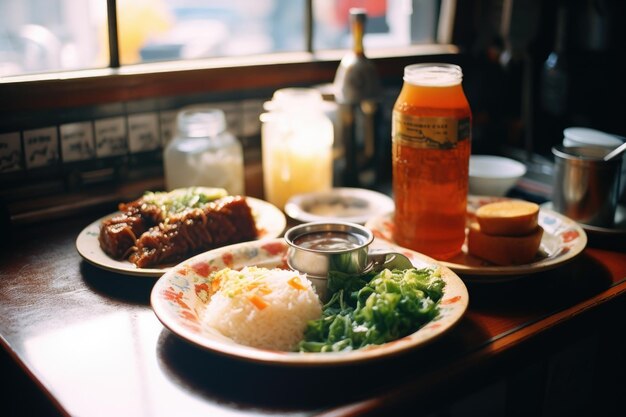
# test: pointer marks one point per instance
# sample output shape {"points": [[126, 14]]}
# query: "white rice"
{"points": [[259, 307]]}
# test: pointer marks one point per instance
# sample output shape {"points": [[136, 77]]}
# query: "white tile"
{"points": [[111, 137], [10, 152], [77, 142], [41, 147], [143, 132]]}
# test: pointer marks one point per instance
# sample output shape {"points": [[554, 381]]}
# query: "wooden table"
{"points": [[88, 340]]}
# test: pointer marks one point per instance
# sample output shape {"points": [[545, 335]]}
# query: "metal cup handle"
{"points": [[380, 259]]}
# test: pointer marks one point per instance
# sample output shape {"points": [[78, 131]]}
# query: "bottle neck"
{"points": [[357, 27], [561, 30]]}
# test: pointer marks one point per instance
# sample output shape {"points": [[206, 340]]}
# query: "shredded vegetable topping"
{"points": [[296, 283], [183, 199], [374, 309]]}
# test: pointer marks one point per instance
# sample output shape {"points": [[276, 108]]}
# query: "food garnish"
{"points": [[374, 309]]}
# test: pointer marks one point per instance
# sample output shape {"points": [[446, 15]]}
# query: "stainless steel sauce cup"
{"points": [[319, 248], [586, 188]]}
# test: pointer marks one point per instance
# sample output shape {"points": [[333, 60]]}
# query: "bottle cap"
{"points": [[358, 14], [294, 99], [433, 74]]}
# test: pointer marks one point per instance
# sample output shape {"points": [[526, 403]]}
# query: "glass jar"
{"points": [[297, 140], [431, 142], [203, 152]]}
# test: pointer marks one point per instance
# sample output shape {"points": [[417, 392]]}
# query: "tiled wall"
{"points": [[72, 147], [96, 138]]}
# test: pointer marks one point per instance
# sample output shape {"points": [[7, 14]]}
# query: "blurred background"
{"points": [[531, 69], [52, 35]]}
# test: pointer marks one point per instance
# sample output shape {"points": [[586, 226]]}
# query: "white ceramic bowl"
{"points": [[491, 175], [353, 205]]}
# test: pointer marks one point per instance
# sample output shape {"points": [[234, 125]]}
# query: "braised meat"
{"points": [[149, 232], [226, 221]]}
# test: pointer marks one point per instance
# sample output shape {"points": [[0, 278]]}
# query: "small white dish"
{"points": [[270, 222], [493, 175], [179, 299], [354, 205]]}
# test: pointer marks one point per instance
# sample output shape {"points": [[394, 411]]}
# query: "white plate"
{"points": [[563, 239], [354, 205], [270, 222], [179, 299], [619, 227]]}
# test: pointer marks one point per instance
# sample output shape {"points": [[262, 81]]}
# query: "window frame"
{"points": [[148, 80], [142, 81]]}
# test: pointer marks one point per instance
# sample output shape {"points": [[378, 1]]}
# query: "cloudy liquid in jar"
{"points": [[431, 143]]}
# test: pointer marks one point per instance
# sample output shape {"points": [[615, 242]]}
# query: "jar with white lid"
{"points": [[297, 140], [203, 152]]}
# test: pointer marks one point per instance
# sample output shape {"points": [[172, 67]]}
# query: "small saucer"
{"points": [[619, 227], [354, 205]]}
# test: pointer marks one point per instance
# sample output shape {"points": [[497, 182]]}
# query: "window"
{"points": [[58, 35], [391, 23], [52, 35]]}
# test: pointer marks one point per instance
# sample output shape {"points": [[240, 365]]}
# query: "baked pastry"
{"points": [[508, 218], [503, 250]]}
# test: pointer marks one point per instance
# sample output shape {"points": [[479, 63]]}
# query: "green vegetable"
{"points": [[374, 309], [182, 199]]}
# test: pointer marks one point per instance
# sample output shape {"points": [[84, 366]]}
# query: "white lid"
{"points": [[201, 121], [587, 136], [433, 74], [295, 99]]}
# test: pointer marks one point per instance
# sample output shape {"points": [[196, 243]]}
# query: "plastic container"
{"points": [[297, 140], [431, 144], [203, 152]]}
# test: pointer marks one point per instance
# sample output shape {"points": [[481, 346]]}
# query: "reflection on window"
{"points": [[156, 30], [56, 35], [52, 35], [390, 23]]}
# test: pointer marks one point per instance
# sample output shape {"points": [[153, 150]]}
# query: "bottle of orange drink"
{"points": [[431, 141]]}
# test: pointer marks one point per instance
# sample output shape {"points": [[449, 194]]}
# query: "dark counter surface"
{"points": [[89, 341]]}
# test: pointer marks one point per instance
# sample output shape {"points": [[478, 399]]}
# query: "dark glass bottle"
{"points": [[357, 91], [555, 81]]}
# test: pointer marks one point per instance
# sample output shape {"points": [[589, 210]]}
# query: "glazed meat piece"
{"points": [[119, 233], [163, 227], [223, 222]]}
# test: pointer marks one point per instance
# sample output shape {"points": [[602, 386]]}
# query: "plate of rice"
{"points": [[244, 302]]}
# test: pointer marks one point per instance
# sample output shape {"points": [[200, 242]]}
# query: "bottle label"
{"points": [[429, 132]]}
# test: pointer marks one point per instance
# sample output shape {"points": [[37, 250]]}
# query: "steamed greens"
{"points": [[374, 309]]}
